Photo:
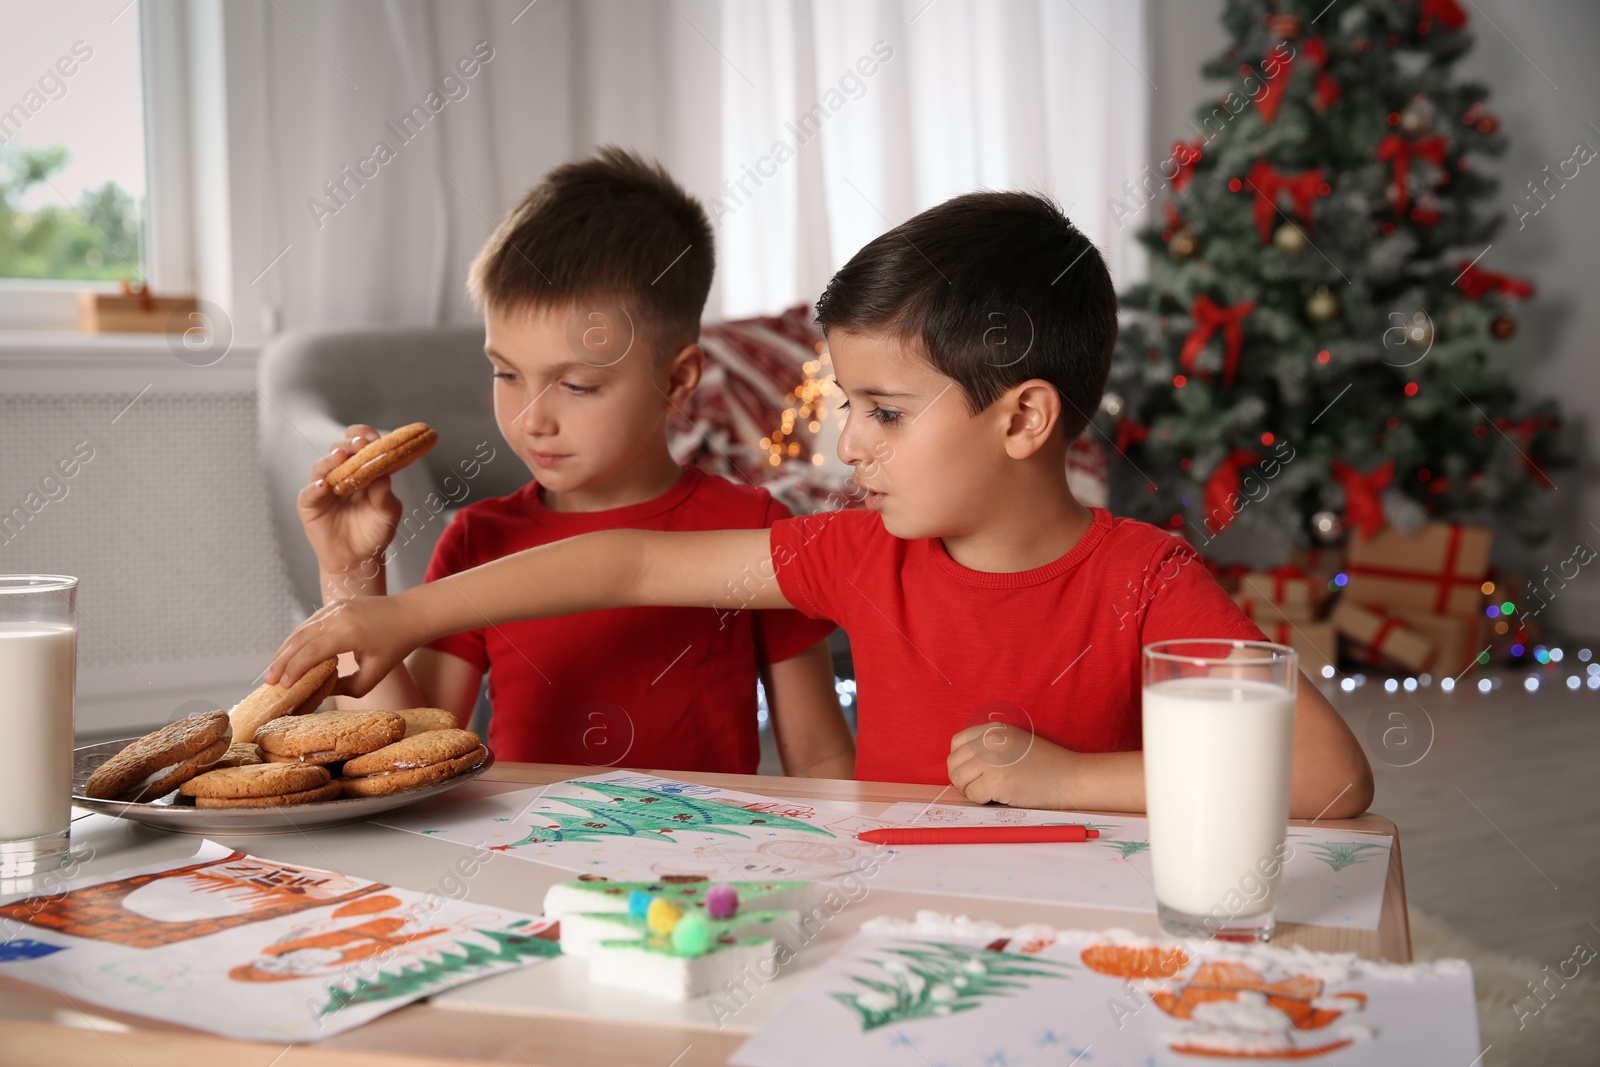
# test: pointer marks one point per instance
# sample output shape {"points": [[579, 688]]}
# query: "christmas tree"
{"points": [[1323, 343]]}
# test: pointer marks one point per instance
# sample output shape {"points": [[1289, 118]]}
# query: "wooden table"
{"points": [[40, 1026]]}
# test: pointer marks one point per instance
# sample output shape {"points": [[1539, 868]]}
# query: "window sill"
{"points": [[63, 361]]}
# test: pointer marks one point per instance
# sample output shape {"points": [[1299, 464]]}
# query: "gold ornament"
{"points": [[1289, 238], [1288, 27], [1184, 244], [1416, 118], [1322, 305], [1419, 331]]}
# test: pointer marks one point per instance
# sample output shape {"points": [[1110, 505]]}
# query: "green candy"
{"points": [[691, 936]]}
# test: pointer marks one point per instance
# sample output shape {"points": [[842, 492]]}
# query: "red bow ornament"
{"points": [[1185, 154], [1475, 282], [1130, 433], [1450, 14], [1209, 317], [1315, 49], [1398, 152], [1222, 489], [1363, 509], [1270, 183], [1524, 431]]}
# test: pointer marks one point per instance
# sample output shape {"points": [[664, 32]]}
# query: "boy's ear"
{"points": [[682, 371], [1032, 415]]}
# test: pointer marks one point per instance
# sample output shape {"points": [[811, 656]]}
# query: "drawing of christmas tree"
{"points": [[1128, 849], [1342, 854], [937, 979], [511, 946], [628, 811]]}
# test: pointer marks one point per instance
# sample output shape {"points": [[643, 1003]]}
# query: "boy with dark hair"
{"points": [[592, 290], [995, 622]]}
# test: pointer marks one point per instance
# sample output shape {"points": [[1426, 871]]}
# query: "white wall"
{"points": [[1545, 87]]}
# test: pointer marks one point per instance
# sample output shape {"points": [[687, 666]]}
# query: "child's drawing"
{"points": [[1342, 854], [933, 979]]}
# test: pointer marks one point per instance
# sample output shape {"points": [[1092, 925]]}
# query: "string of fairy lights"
{"points": [[806, 403]]}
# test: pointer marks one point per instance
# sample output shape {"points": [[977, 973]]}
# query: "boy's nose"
{"points": [[851, 449]]}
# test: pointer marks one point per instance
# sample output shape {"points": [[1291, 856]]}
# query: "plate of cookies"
{"points": [[276, 764]]}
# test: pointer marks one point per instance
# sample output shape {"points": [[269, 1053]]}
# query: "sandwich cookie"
{"points": [[418, 760], [271, 702], [329, 736], [240, 754], [386, 455], [159, 762], [261, 785], [421, 720]]}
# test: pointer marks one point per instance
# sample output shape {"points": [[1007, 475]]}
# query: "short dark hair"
{"points": [[978, 276], [614, 226]]}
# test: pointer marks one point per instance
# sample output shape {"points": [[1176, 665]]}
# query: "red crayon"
{"points": [[975, 835]]}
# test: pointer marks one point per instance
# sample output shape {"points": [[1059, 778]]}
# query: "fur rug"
{"points": [[1565, 1032]]}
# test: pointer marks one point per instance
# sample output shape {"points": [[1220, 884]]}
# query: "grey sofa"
{"points": [[312, 384]]}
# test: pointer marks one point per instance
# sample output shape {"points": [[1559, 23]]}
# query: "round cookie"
{"points": [[256, 781], [309, 796], [395, 781], [240, 754], [162, 759], [419, 750], [271, 702], [387, 454], [330, 736], [421, 720]]}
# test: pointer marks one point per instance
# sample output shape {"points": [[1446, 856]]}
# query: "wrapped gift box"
{"points": [[1381, 639], [1316, 642], [1439, 569], [1262, 611], [1321, 563], [1457, 639], [1292, 591]]}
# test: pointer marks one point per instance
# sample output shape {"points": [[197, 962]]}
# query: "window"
{"points": [[72, 168]]}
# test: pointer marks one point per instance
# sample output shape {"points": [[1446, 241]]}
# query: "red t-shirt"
{"points": [[669, 688], [939, 647]]}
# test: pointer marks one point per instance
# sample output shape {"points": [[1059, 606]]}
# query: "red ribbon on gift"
{"points": [[1362, 508], [1315, 49], [1185, 154], [1475, 282], [1446, 581], [1223, 483], [1399, 152], [1450, 14], [1524, 430], [1388, 626], [1227, 574], [1282, 576], [1209, 317], [1130, 433], [1269, 183]]}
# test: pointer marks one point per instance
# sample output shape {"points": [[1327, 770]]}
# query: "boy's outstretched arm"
{"points": [[813, 739], [728, 569], [1330, 777]]}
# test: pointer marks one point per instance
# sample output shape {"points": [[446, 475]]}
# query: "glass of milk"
{"points": [[1218, 741], [38, 665]]}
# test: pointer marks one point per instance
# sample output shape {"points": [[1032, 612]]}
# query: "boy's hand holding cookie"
{"points": [[1000, 763], [379, 630], [349, 533]]}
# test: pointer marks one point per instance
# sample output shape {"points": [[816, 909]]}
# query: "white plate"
{"points": [[163, 814]]}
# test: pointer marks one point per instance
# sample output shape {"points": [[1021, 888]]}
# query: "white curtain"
{"points": [[884, 108]]}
